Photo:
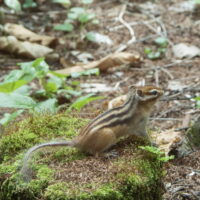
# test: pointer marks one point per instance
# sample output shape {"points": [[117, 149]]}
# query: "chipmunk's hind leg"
{"points": [[105, 138]]}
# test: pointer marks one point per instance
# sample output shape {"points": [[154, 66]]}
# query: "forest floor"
{"points": [[148, 20]]}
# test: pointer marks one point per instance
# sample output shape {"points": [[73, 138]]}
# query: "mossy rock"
{"points": [[66, 173], [193, 134]]}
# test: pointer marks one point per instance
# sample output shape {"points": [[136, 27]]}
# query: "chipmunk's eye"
{"points": [[153, 92]]}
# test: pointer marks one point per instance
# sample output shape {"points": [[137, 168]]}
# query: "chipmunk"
{"points": [[105, 130]]}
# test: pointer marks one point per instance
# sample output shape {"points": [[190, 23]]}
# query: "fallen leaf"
{"points": [[183, 50], [30, 50], [175, 85], [185, 6], [118, 101], [99, 38], [149, 8], [96, 87], [105, 63], [165, 140], [24, 34], [83, 57]]}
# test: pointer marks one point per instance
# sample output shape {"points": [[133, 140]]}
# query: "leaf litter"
{"points": [[168, 114]]}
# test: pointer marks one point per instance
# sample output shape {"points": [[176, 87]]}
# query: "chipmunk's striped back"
{"points": [[113, 116]]}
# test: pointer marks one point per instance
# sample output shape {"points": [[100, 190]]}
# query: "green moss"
{"points": [[193, 134], [37, 129], [61, 191], [15, 188], [132, 175]]}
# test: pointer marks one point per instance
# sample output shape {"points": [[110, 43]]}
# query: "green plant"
{"points": [[15, 93], [196, 1], [13, 4], [29, 4], [80, 102], [198, 101], [16, 5], [161, 43], [160, 156], [77, 17]]}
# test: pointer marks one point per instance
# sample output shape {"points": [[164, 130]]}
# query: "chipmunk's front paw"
{"points": [[111, 154]]}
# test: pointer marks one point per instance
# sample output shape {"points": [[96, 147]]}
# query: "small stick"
{"points": [[131, 31]]}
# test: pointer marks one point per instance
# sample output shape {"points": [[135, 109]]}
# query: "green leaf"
{"points": [[46, 106], [11, 86], [63, 76], [29, 4], [64, 27], [71, 92], [65, 2], [14, 75], [41, 67], [147, 50], [59, 82], [37, 68], [162, 50], [16, 101], [197, 1], [90, 36], [75, 12], [151, 149], [13, 4], [82, 101], [154, 55], [161, 41], [7, 117], [24, 74], [197, 98], [94, 71], [75, 83], [85, 17], [50, 87], [166, 158], [198, 101], [198, 104], [23, 90], [86, 1]]}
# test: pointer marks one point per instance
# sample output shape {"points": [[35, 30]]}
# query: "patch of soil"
{"points": [[182, 180], [98, 170]]}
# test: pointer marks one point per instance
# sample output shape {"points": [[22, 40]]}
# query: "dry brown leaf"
{"points": [[24, 34], [165, 140], [105, 63], [183, 50], [118, 101], [30, 50]]}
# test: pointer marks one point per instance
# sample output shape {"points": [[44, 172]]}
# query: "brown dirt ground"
{"points": [[183, 175]]}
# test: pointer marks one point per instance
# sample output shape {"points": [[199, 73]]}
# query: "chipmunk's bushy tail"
{"points": [[25, 170]]}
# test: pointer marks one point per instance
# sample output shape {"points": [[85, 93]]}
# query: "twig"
{"points": [[157, 77], [125, 23], [182, 129], [165, 119], [131, 24], [131, 31], [167, 72], [176, 98], [162, 33], [164, 66]]}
